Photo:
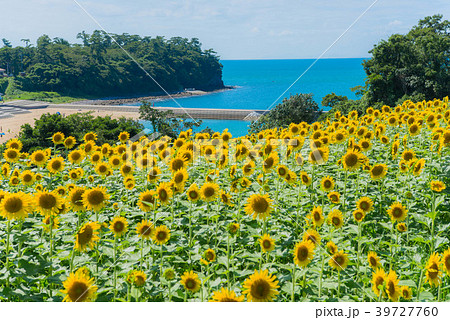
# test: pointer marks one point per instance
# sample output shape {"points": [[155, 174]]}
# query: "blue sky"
{"points": [[245, 29]]}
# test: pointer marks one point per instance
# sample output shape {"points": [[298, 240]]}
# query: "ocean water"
{"points": [[261, 82]]}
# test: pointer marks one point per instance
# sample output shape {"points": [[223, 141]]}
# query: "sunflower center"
{"points": [[209, 192], [433, 271], [364, 205], [177, 164], [391, 288], [13, 205], [179, 178], [266, 244], [302, 253], [260, 205], [268, 163], [193, 194], [39, 157], [190, 284], [78, 291], [162, 235], [85, 235], [118, 226], [146, 231], [96, 197], [351, 160], [56, 165], [317, 216], [47, 201], [260, 289], [162, 195], [397, 212], [77, 198], [373, 261], [336, 221]]}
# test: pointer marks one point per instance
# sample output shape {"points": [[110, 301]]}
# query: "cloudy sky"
{"points": [[236, 29]]}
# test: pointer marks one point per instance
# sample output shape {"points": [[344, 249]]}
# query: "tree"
{"points": [[411, 64], [164, 122], [298, 108], [6, 43]]}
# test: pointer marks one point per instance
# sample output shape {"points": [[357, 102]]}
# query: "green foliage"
{"points": [[4, 82], [164, 122], [334, 103], [76, 125], [100, 67], [411, 64], [298, 108]]}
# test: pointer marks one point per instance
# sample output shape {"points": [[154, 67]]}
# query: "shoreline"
{"points": [[152, 98]]}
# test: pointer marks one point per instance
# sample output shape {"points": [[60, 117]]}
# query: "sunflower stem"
{"points": [[8, 231], [320, 276], [228, 262], [161, 263], [115, 272], [339, 284], [142, 252], [419, 287], [51, 254], [293, 284]]}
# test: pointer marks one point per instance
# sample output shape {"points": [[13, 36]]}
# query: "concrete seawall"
{"points": [[196, 113]]}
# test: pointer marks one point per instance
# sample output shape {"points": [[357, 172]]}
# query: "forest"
{"points": [[99, 67]]}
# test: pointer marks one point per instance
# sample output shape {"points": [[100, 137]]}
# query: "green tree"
{"points": [[164, 122], [411, 64], [298, 108]]}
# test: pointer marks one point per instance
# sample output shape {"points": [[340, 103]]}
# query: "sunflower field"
{"points": [[356, 208]]}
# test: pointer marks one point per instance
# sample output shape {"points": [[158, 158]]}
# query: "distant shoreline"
{"points": [[152, 98]]}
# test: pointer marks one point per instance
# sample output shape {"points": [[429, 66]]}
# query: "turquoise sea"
{"points": [[260, 83]]}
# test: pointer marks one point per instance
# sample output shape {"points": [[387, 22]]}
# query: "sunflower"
{"points": [[401, 227], [56, 165], [147, 200], [145, 229], [433, 272], [209, 191], [270, 162], [58, 138], [96, 157], [164, 192], [392, 288], [418, 167], [154, 174], [282, 171], [14, 144], [11, 155], [95, 198], [260, 287], [331, 247], [209, 255], [378, 171], [76, 156], [397, 212], [48, 203], [28, 178], [306, 180], [446, 261], [87, 236], [327, 183], [358, 215], [408, 155], [352, 160], [70, 142], [313, 236], [50, 222], [161, 235], [303, 253], [259, 206], [79, 287], [316, 216], [115, 161], [190, 281], [90, 136], [374, 261], [437, 185], [76, 199], [233, 228], [39, 158], [379, 278], [119, 226], [138, 278], [124, 136], [365, 204], [406, 292], [267, 243], [334, 197], [16, 206], [225, 295], [177, 163], [180, 177], [193, 193], [335, 218], [339, 260], [319, 156], [226, 198]]}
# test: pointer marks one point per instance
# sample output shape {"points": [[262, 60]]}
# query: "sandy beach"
{"points": [[11, 126]]}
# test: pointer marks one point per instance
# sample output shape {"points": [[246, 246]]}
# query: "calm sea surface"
{"points": [[261, 82]]}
